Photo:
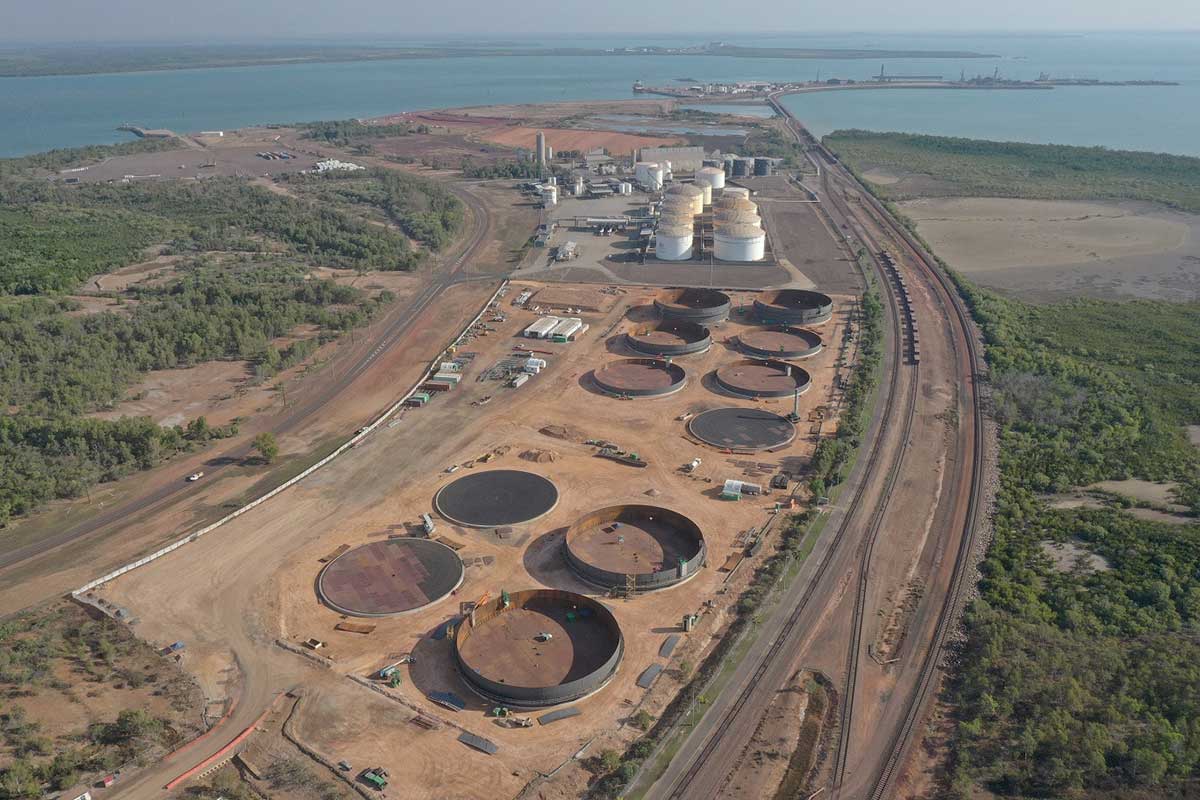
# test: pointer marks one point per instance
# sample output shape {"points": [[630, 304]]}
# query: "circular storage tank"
{"points": [[707, 189], [743, 167], [781, 341], [703, 306], [742, 429], [713, 176], [657, 546], [690, 192], [673, 241], [738, 191], [495, 498], [739, 243], [389, 577], [550, 196], [642, 171], [762, 167], [640, 377], [763, 377], [538, 647], [794, 306], [733, 216], [730, 202], [669, 339]]}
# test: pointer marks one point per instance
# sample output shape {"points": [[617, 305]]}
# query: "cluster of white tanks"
{"points": [[737, 229], [674, 236]]}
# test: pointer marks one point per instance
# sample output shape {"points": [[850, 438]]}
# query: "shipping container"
{"points": [[519, 381]]}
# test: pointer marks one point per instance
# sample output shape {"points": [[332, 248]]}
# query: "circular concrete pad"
{"points": [[495, 498], [389, 577], [742, 429]]}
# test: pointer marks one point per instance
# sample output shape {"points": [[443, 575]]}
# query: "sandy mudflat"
{"points": [[1048, 250]]}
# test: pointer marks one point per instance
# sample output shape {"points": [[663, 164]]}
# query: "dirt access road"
{"points": [[37, 567], [905, 512]]}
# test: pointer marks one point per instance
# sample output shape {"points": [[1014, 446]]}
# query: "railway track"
{"points": [[683, 786], [855, 647], [967, 348]]}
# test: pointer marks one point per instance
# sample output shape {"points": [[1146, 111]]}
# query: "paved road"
{"points": [[381, 337]]}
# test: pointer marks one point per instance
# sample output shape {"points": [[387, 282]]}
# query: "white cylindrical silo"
{"points": [[673, 242], [739, 243], [713, 176], [656, 179], [578, 186], [707, 189], [550, 195]]}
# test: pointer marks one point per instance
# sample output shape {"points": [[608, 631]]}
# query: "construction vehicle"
{"points": [[544, 636], [376, 778]]}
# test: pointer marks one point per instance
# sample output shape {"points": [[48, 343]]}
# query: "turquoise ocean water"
{"points": [[41, 113]]}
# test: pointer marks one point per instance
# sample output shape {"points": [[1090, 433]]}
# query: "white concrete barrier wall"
{"points": [[191, 537]]}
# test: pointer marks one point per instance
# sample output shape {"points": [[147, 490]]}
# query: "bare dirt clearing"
{"points": [[562, 139], [1046, 250], [262, 566]]}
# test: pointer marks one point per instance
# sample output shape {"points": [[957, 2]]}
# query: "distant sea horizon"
{"points": [[43, 113]]}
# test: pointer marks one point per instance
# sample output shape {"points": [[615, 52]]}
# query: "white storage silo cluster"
{"points": [[550, 195]]}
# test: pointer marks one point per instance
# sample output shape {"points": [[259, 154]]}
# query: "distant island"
{"points": [[31, 62]]}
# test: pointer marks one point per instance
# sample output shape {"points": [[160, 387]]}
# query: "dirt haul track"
{"points": [[538, 647]]}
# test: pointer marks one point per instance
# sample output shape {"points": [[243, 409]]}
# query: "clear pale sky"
{"points": [[228, 20], [99, 20]]}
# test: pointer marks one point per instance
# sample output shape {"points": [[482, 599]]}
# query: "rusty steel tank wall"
{"points": [[677, 373], [702, 306], [812, 344], [647, 581], [801, 379], [696, 339], [538, 696], [793, 306]]}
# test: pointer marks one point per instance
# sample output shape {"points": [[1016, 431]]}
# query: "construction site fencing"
{"points": [[358, 437]]}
